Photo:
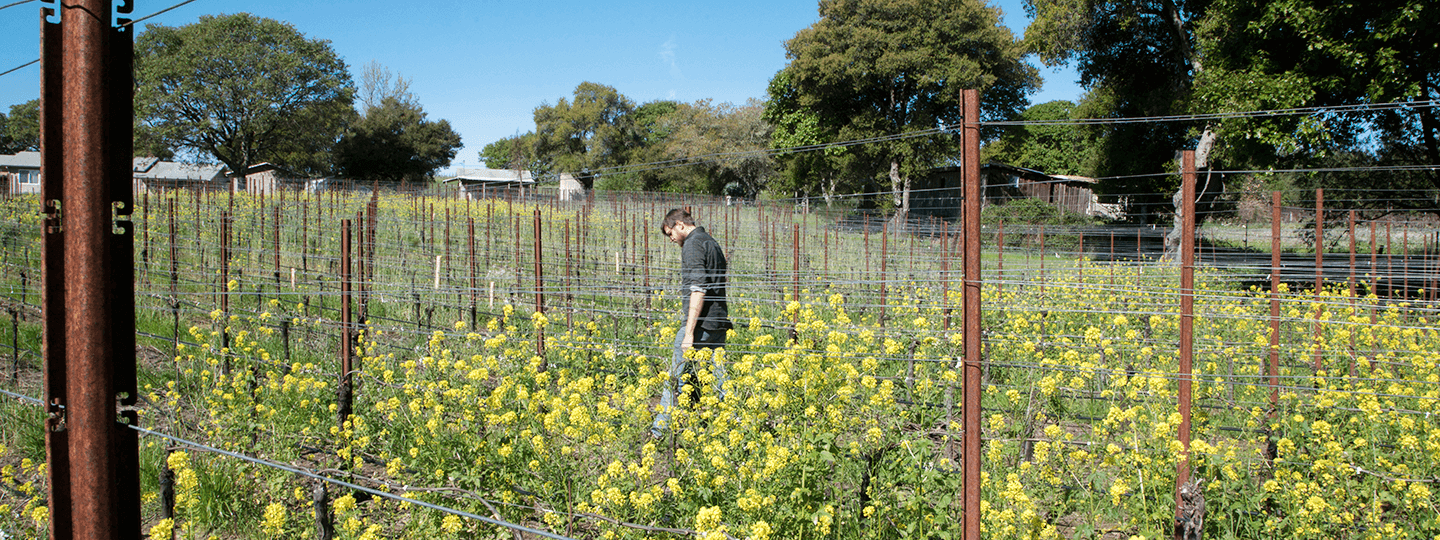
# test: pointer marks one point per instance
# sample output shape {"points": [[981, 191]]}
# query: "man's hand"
{"points": [[692, 319]]}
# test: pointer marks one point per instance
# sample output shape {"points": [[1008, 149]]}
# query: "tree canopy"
{"points": [[1306, 53], [20, 130], [895, 68], [242, 89], [1050, 148], [592, 131], [517, 152], [1181, 57], [1137, 58], [393, 142], [600, 135]]}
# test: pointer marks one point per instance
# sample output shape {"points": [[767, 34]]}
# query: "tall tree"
{"points": [[654, 123], [892, 68], [243, 89], [803, 169], [515, 152], [1317, 53], [1053, 148], [1137, 58], [722, 144], [20, 131], [393, 142], [377, 83], [593, 131]]}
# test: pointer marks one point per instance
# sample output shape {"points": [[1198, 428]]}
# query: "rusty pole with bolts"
{"points": [[347, 333], [1187, 317], [970, 135], [1319, 272], [1274, 368], [89, 337]]}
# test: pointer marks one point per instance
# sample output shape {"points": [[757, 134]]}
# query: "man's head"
{"points": [[677, 225]]}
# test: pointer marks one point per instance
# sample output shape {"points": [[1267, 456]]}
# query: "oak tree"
{"points": [[243, 89], [894, 69], [395, 141]]}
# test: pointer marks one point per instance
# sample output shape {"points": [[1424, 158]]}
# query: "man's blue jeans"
{"points": [[680, 370]]}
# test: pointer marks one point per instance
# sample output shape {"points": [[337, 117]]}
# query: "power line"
{"points": [[1360, 107], [20, 67], [1357, 107], [131, 23], [157, 13], [13, 4]]}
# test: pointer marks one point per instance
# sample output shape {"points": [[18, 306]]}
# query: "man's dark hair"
{"points": [[674, 216]]}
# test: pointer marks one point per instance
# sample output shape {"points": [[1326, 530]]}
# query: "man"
{"points": [[703, 280]]}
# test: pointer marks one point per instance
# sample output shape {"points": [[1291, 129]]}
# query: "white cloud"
{"points": [[667, 55]]}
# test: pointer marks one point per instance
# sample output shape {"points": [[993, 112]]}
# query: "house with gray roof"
{"points": [[19, 173], [483, 183], [152, 173]]}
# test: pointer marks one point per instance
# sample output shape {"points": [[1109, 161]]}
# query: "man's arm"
{"points": [[692, 318]]}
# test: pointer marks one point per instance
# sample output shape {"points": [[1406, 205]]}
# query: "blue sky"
{"points": [[485, 65]]}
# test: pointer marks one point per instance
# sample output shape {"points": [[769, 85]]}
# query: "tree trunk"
{"points": [[901, 188], [1183, 50], [1428, 127]]}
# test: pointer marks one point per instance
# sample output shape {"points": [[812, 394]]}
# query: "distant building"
{"points": [[20, 173], [152, 173], [571, 189], [269, 179], [485, 183], [940, 193]]}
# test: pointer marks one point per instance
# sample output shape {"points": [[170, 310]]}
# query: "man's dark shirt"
{"points": [[703, 268]]}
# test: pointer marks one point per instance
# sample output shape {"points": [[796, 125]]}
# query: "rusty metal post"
{"points": [[1112, 258], [1405, 261], [1319, 269], [970, 412], [224, 289], [945, 276], [347, 333], [305, 234], [275, 224], [474, 279], [1350, 282], [1274, 370], [795, 272], [825, 241], [14, 343], [174, 251], [884, 246], [88, 296], [1389, 263], [646, 266], [145, 246], [1187, 317], [539, 293], [1000, 259], [569, 283]]}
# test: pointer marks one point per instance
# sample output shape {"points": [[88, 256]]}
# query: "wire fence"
{"points": [[1079, 322]]}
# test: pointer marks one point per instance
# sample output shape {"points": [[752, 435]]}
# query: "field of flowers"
{"points": [[842, 412]]}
